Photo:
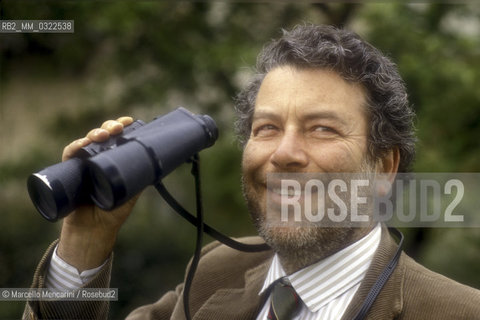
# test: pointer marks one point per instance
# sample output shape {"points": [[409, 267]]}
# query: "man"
{"points": [[324, 101]]}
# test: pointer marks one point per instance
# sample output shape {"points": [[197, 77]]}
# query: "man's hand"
{"points": [[89, 233]]}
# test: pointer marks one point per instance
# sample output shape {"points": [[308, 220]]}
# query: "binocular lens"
{"points": [[102, 192], [42, 196], [54, 190]]}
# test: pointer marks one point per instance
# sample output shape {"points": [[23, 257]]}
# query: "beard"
{"points": [[300, 244]]}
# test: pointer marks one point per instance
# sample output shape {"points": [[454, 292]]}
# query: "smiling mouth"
{"points": [[277, 195], [287, 187], [285, 192]]}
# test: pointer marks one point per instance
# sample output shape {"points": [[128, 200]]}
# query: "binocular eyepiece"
{"points": [[112, 172]]}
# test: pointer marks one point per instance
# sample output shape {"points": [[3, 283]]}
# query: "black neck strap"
{"points": [[203, 227], [217, 235]]}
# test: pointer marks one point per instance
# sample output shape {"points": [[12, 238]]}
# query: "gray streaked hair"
{"points": [[391, 119]]}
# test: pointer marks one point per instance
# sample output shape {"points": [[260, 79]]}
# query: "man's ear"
{"points": [[389, 163], [387, 168]]}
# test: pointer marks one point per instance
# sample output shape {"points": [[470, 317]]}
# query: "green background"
{"points": [[144, 58]]}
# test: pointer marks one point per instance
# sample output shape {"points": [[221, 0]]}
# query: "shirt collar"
{"points": [[320, 283]]}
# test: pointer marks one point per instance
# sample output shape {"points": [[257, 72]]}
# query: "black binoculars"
{"points": [[112, 172]]}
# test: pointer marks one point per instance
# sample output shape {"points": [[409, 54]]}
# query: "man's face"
{"points": [[306, 121]]}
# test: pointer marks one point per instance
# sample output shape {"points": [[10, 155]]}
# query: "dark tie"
{"points": [[285, 303]]}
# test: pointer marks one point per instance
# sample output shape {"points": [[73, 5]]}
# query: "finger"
{"points": [[125, 121], [98, 135], [70, 150], [112, 126]]}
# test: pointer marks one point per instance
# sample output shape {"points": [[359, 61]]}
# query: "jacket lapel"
{"points": [[389, 302], [237, 303]]}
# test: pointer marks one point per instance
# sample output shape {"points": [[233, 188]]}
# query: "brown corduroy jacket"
{"points": [[227, 284]]}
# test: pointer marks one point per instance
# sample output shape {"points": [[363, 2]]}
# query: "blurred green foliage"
{"points": [[144, 58]]}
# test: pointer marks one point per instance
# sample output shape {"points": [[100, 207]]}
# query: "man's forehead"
{"points": [[313, 92]]}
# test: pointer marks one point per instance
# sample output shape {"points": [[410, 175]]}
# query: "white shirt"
{"points": [[328, 286]]}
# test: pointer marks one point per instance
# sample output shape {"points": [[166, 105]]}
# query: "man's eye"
{"points": [[265, 129], [324, 130]]}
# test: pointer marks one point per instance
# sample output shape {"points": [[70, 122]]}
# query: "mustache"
{"points": [[276, 180]]}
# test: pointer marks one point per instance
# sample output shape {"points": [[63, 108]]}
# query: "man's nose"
{"points": [[290, 153]]}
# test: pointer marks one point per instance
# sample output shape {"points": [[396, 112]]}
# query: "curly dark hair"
{"points": [[317, 46]]}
